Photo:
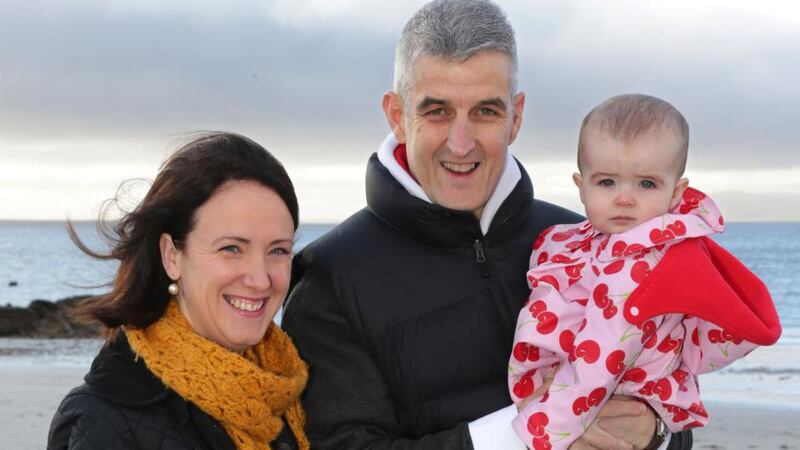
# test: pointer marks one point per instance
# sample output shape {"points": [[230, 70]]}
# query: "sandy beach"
{"points": [[30, 394]]}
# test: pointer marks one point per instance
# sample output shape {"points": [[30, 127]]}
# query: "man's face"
{"points": [[623, 184], [457, 123]]}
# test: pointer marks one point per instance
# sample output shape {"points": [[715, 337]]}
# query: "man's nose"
{"points": [[461, 139]]}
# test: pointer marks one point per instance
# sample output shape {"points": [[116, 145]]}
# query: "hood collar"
{"points": [[509, 178]]}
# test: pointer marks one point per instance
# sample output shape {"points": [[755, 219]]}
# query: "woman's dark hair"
{"points": [[185, 182]]}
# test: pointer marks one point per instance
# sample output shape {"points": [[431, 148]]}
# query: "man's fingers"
{"points": [[597, 438], [617, 407]]}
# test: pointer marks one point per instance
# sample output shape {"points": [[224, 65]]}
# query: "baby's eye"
{"points": [[647, 184], [606, 182]]}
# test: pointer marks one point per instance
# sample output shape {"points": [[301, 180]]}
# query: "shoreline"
{"points": [[32, 391]]}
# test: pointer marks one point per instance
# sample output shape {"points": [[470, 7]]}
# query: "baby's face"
{"points": [[623, 184]]}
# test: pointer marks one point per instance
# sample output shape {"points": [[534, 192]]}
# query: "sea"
{"points": [[38, 261]]}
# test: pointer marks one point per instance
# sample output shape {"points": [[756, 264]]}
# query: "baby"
{"points": [[636, 300]]}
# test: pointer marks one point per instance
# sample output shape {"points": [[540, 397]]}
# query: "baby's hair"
{"points": [[628, 116]]}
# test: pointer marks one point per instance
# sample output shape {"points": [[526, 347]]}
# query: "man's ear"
{"points": [[578, 180], [169, 256], [677, 193], [393, 109], [519, 107]]}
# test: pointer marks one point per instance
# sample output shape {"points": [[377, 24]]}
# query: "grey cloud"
{"points": [[315, 91]]}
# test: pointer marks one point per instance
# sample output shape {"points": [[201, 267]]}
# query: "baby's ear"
{"points": [[578, 180], [677, 193]]}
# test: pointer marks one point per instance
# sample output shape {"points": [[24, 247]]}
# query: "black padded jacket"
{"points": [[122, 405], [405, 314]]}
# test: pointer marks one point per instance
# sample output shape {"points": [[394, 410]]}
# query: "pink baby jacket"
{"points": [[640, 313]]}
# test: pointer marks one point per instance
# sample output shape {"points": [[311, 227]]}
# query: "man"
{"points": [[406, 311]]}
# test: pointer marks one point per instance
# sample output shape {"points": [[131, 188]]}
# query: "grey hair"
{"points": [[454, 30]]}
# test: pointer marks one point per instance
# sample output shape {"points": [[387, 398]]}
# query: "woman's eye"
{"points": [[231, 249], [606, 182], [281, 251], [647, 184]]}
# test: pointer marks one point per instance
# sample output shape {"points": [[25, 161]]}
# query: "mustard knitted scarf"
{"points": [[247, 394]]}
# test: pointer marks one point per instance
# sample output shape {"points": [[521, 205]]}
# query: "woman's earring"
{"points": [[173, 289]]}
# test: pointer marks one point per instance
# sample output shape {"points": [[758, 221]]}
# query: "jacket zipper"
{"points": [[479, 255]]}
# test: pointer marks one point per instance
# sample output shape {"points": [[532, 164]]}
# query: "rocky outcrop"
{"points": [[45, 319]]}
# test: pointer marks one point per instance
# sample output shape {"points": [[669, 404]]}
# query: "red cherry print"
{"points": [[595, 270], [730, 337], [636, 374], [640, 271], [563, 235], [618, 248], [698, 409], [524, 387], [680, 376], [694, 424], [696, 337], [663, 389], [600, 295], [691, 200], [648, 334], [614, 267], [536, 424], [658, 236], [615, 362], [560, 258], [680, 415], [596, 396], [542, 258], [540, 239], [537, 307], [520, 351], [602, 245], [548, 322], [582, 325], [677, 227], [647, 389], [610, 311], [542, 443], [550, 280], [579, 406], [668, 345], [715, 336], [634, 248], [588, 350], [582, 301], [574, 271], [525, 352], [567, 341], [584, 245]]}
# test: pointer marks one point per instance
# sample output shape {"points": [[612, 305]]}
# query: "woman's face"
{"points": [[234, 267]]}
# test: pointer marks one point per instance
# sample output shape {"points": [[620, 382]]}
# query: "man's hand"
{"points": [[624, 423]]}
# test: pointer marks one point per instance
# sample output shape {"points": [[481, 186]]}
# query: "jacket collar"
{"points": [[435, 225], [508, 180], [119, 377]]}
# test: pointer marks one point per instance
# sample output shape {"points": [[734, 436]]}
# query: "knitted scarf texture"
{"points": [[247, 394]]}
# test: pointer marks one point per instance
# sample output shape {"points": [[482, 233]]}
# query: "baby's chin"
{"points": [[617, 225]]}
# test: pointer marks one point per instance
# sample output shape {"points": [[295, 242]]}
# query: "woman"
{"points": [[193, 359]]}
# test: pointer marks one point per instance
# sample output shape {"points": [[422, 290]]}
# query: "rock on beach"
{"points": [[45, 319]]}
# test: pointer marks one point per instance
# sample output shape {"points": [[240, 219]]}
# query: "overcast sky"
{"points": [[94, 92]]}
